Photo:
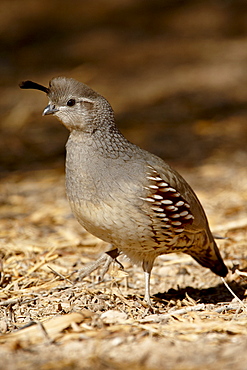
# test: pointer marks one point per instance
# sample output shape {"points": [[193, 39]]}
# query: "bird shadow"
{"points": [[211, 295]]}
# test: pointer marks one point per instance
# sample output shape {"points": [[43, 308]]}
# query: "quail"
{"points": [[121, 193]]}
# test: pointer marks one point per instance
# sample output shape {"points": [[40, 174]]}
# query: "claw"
{"points": [[103, 261]]}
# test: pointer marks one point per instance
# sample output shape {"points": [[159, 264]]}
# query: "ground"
{"points": [[175, 75]]}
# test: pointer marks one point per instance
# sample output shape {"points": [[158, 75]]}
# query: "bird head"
{"points": [[74, 103]]}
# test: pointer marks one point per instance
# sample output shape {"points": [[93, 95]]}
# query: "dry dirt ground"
{"points": [[175, 73], [53, 322]]}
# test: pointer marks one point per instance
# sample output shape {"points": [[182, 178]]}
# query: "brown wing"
{"points": [[171, 213]]}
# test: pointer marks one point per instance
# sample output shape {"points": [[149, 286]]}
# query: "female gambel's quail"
{"points": [[121, 193]]}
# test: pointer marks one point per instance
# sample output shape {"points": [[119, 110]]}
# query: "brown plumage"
{"points": [[122, 194]]}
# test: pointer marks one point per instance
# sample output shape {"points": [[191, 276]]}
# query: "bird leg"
{"points": [[147, 267], [104, 260], [147, 287]]}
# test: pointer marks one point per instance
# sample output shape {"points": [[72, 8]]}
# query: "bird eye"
{"points": [[71, 102]]}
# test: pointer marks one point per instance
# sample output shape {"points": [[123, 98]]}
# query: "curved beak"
{"points": [[50, 109]]}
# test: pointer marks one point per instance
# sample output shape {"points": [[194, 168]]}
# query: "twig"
{"points": [[232, 292], [48, 258], [182, 311], [12, 302], [60, 275], [227, 307], [44, 332], [240, 273]]}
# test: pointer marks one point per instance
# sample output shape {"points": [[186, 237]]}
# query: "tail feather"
{"points": [[210, 257]]}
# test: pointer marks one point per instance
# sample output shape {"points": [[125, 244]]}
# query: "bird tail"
{"points": [[210, 257]]}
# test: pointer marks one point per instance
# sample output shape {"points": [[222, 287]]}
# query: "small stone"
{"points": [[113, 317]]}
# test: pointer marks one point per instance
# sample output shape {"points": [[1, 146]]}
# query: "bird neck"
{"points": [[103, 137]]}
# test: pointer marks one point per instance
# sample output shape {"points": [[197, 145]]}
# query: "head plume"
{"points": [[33, 85]]}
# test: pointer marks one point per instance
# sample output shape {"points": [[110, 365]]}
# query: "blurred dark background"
{"points": [[174, 71]]}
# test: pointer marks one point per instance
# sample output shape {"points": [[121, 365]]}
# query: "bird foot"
{"points": [[104, 261]]}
